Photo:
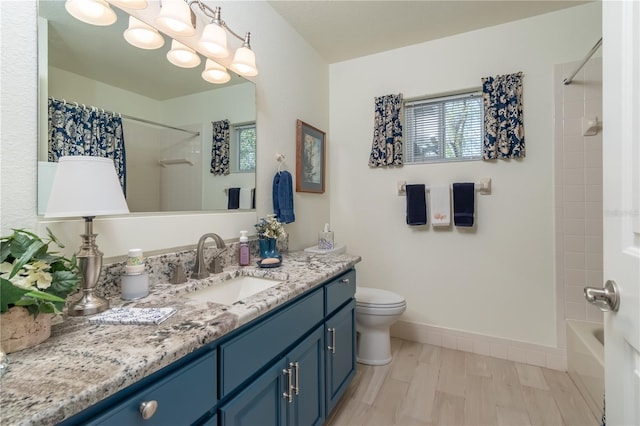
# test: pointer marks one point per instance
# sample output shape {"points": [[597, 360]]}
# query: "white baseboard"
{"points": [[526, 353]]}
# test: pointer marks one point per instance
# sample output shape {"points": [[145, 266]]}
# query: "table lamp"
{"points": [[86, 187]]}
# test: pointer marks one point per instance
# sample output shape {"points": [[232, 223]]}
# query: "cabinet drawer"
{"points": [[340, 291], [182, 397], [246, 354]]}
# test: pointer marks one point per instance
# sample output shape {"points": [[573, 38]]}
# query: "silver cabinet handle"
{"points": [[345, 281], [148, 409], [332, 347], [296, 366], [606, 299], [285, 395]]}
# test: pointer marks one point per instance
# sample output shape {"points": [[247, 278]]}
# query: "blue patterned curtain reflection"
{"points": [[386, 149], [220, 148], [80, 130], [503, 121]]}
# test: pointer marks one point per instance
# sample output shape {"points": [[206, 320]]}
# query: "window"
{"points": [[245, 138], [443, 129]]}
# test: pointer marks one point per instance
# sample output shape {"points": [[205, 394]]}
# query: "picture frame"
{"points": [[310, 158]]}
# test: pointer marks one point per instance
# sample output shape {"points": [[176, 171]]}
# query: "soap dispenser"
{"points": [[244, 256]]}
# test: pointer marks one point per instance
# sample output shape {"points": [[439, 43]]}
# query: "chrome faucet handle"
{"points": [[178, 276]]}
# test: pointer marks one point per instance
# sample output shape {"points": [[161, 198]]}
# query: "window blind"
{"points": [[444, 128]]}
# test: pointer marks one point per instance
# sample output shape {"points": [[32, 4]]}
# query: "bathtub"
{"points": [[585, 361]]}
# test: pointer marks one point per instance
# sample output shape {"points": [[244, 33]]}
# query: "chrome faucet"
{"points": [[200, 270]]}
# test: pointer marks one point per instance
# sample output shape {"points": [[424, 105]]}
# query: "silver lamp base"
{"points": [[88, 304], [90, 264]]}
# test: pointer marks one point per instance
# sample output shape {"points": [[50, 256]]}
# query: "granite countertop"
{"points": [[82, 363]]}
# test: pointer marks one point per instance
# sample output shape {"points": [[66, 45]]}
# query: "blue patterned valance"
{"points": [[503, 121], [386, 149], [80, 130], [220, 148]]}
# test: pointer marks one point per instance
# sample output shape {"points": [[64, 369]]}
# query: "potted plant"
{"points": [[269, 230], [34, 284]]}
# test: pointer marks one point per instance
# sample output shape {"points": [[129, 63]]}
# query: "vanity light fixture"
{"points": [[215, 73], [176, 18], [130, 4], [182, 56], [94, 12], [87, 187], [214, 39], [244, 61], [142, 35]]}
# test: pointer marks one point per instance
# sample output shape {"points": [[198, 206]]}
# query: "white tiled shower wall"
{"points": [[578, 192]]}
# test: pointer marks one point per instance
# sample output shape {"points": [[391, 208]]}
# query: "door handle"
{"points": [[332, 346], [285, 395], [296, 366], [606, 299]]}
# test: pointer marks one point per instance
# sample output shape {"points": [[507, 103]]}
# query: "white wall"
{"points": [[293, 83], [498, 279]]}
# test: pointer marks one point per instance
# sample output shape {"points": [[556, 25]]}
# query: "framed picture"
{"points": [[310, 158]]}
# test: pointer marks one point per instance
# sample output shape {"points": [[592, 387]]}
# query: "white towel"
{"points": [[136, 316], [245, 198], [440, 205]]}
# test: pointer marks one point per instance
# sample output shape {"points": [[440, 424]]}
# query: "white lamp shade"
{"points": [[244, 62], [94, 12], [130, 4], [175, 18], [85, 186], [215, 73], [182, 56], [141, 35], [214, 41]]}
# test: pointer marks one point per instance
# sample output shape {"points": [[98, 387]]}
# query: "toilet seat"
{"points": [[377, 298]]}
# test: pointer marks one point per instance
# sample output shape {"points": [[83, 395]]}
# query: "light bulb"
{"points": [[175, 18], [182, 56], [215, 73], [214, 41], [142, 35], [94, 12]]}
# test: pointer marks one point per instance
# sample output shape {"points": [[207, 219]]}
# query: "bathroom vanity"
{"points": [[282, 356]]}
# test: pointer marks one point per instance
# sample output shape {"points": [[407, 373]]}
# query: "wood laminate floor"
{"points": [[431, 385]]}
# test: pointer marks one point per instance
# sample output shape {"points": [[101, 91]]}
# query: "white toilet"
{"points": [[376, 310]]}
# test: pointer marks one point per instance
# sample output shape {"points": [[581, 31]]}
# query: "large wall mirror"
{"points": [[167, 163]]}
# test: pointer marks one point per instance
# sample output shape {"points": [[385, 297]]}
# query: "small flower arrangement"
{"points": [[33, 277], [270, 227]]}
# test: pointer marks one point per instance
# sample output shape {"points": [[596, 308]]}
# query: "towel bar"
{"points": [[483, 186]]}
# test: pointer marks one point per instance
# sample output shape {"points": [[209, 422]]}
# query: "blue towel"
{"points": [[234, 198], [416, 205], [283, 197], [463, 204]]}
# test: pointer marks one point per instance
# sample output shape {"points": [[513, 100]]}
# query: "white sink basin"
{"points": [[233, 290]]}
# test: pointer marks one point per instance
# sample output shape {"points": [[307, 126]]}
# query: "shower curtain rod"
{"points": [[130, 117], [568, 80]]}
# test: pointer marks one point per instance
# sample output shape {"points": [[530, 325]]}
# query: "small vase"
{"points": [[20, 330], [268, 248]]}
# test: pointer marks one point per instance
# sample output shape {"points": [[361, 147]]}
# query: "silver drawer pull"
{"points": [[148, 409], [345, 281], [285, 395], [332, 347], [296, 366]]}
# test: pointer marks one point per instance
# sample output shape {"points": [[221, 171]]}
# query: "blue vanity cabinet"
{"points": [[340, 331], [163, 401], [290, 393]]}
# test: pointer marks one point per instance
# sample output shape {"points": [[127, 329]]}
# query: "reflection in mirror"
{"points": [[167, 113]]}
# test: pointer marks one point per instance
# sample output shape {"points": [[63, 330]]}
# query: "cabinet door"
{"points": [[340, 353], [307, 363], [261, 403]]}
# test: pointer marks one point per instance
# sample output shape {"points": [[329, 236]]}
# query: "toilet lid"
{"points": [[366, 296]]}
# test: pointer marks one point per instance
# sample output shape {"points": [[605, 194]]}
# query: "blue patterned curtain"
{"points": [[386, 149], [503, 121], [220, 148], [80, 130]]}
